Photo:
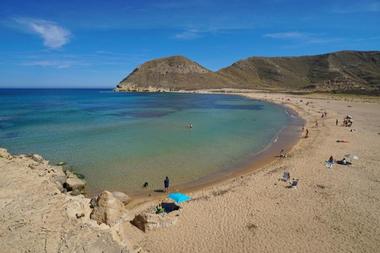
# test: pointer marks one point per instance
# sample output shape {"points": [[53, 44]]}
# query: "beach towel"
{"points": [[328, 164]]}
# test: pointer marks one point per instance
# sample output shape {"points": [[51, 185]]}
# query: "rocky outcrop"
{"points": [[107, 209], [124, 198], [4, 153], [150, 221], [34, 208], [38, 158], [73, 183]]}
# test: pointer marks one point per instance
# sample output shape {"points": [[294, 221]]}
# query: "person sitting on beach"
{"points": [[166, 183], [330, 162], [159, 209], [283, 154], [343, 162]]}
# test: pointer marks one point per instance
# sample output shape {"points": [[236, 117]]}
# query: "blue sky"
{"points": [[97, 43]]}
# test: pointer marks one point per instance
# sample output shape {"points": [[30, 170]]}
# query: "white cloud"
{"points": [[358, 7], [189, 34], [286, 35], [53, 35], [309, 38], [49, 63]]}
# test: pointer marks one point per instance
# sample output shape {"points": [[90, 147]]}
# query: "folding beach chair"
{"points": [[285, 176]]}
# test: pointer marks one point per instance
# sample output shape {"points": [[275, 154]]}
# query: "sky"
{"points": [[95, 44]]}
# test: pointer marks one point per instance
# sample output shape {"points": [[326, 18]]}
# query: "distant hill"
{"points": [[171, 73], [348, 71]]}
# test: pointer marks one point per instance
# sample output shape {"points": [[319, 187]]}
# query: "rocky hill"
{"points": [[350, 71], [171, 73]]}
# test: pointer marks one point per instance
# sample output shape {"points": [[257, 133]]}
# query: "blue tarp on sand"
{"points": [[179, 197]]}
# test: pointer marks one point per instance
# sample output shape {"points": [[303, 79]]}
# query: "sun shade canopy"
{"points": [[179, 197]]}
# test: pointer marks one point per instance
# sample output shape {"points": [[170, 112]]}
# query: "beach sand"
{"points": [[331, 210], [335, 210]]}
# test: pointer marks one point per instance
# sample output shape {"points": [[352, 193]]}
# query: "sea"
{"points": [[119, 141]]}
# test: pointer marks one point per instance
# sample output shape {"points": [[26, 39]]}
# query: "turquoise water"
{"points": [[120, 140]]}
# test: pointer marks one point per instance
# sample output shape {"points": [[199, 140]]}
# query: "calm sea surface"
{"points": [[120, 140]]}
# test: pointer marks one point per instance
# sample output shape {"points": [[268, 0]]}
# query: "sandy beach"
{"points": [[331, 210]]}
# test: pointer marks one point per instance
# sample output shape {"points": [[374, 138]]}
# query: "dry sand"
{"points": [[333, 210]]}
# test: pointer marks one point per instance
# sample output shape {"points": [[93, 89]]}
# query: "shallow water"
{"points": [[120, 140]]}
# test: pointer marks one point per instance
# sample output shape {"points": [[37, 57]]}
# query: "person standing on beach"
{"points": [[307, 133], [336, 122], [166, 184]]}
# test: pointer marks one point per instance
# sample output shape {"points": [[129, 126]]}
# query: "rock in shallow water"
{"points": [[37, 158], [74, 184]]}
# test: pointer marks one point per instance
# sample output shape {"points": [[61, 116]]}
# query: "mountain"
{"points": [[339, 71], [345, 70], [171, 73]]}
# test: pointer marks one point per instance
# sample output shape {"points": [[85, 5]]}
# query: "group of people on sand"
{"points": [[347, 121], [331, 161]]}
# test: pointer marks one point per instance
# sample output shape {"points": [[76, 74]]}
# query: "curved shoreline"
{"points": [[287, 138], [331, 209]]}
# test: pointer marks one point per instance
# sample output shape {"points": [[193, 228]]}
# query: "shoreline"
{"points": [[287, 138], [331, 210]]}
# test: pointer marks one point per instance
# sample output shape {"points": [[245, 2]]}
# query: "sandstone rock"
{"points": [[122, 197], [108, 209], [60, 187], [74, 183], [37, 158], [4, 153], [150, 221], [58, 175], [60, 179], [77, 207], [75, 192]]}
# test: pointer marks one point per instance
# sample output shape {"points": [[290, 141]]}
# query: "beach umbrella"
{"points": [[178, 197]]}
